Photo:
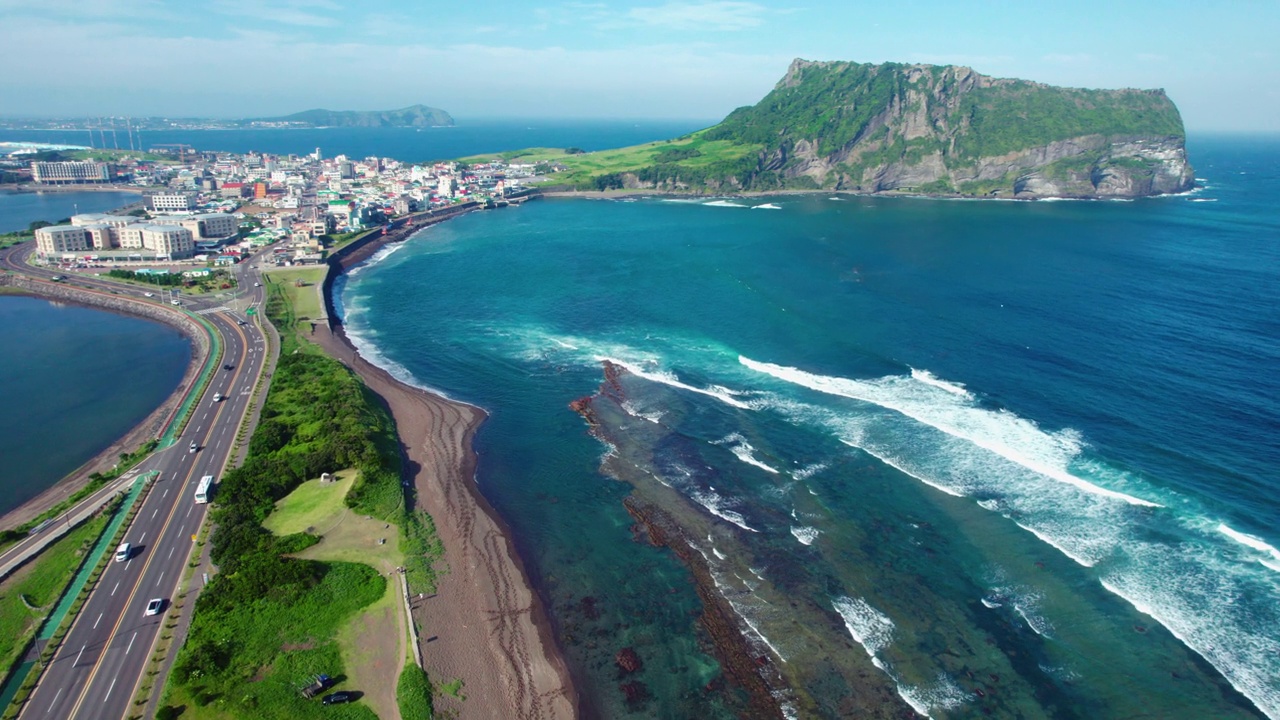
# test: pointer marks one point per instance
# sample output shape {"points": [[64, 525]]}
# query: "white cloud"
{"points": [[303, 13], [721, 15]]}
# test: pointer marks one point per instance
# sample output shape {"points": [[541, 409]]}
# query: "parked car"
{"points": [[342, 696], [154, 606]]}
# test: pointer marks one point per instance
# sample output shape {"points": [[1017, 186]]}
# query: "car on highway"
{"points": [[342, 696], [149, 294], [123, 552], [193, 447], [175, 302], [255, 285], [228, 367], [219, 397], [154, 606]]}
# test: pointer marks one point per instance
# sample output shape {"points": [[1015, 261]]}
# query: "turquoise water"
{"points": [[72, 381], [961, 458]]}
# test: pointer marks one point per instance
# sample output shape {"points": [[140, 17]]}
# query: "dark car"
{"points": [[342, 696], [228, 367]]}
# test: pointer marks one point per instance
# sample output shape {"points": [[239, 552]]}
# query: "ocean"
{"points": [[74, 381], [471, 136], [943, 458]]}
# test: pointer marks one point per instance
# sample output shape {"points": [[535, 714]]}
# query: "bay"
{"points": [[72, 382], [977, 457]]}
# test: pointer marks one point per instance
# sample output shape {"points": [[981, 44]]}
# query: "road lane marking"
{"points": [[144, 537], [55, 701], [109, 689], [160, 579], [171, 551], [154, 513], [114, 589], [135, 637], [95, 622], [77, 662], [166, 492]]}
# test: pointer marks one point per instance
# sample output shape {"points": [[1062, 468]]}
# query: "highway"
{"points": [[100, 665]]}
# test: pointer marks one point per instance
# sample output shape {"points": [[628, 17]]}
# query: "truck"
{"points": [[319, 684]]}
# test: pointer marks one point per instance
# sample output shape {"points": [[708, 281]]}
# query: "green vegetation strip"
{"points": [[55, 627], [183, 414], [105, 542], [413, 693], [28, 596]]}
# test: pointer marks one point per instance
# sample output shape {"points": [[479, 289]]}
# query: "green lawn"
{"points": [[698, 153], [311, 505], [41, 583]]}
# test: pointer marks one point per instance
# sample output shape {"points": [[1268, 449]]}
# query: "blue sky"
{"points": [[637, 59]]}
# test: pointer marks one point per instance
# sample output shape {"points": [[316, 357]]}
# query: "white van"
{"points": [[122, 552]]}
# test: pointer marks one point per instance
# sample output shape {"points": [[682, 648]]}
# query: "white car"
{"points": [[149, 294], [123, 552], [218, 397], [154, 606]]}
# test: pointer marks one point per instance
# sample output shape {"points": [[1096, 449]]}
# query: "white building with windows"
{"points": [[60, 239], [210, 226], [171, 202]]}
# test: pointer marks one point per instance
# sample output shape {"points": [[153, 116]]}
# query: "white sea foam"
{"points": [[1004, 433], [724, 203], [1204, 609], [669, 378], [767, 206], [1060, 547], [1204, 199], [870, 628], [805, 534], [652, 416], [377, 258], [1255, 543], [563, 344], [809, 471], [716, 551], [716, 506], [943, 694], [929, 378], [743, 450], [991, 604]]}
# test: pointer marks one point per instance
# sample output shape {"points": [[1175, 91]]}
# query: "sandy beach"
{"points": [[484, 625]]}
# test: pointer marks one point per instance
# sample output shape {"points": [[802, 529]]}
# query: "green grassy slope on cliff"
{"points": [[841, 122]]}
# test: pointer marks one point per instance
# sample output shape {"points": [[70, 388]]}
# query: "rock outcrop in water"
{"points": [[929, 129]]}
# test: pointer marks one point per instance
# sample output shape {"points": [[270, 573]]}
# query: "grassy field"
{"points": [[692, 151], [373, 642], [312, 507], [28, 595], [305, 300]]}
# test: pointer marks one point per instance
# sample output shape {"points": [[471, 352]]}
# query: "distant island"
{"points": [[412, 116], [901, 128], [415, 116]]}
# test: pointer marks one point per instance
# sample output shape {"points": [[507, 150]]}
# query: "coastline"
{"points": [[485, 624]]}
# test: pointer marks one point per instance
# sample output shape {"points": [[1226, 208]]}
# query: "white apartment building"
{"points": [[173, 241], [62, 173], [60, 239], [211, 225], [172, 202]]}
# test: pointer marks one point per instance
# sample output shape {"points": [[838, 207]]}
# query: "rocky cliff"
{"points": [[941, 130]]}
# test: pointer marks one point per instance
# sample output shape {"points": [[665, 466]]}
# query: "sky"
{"points": [[676, 59]]}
